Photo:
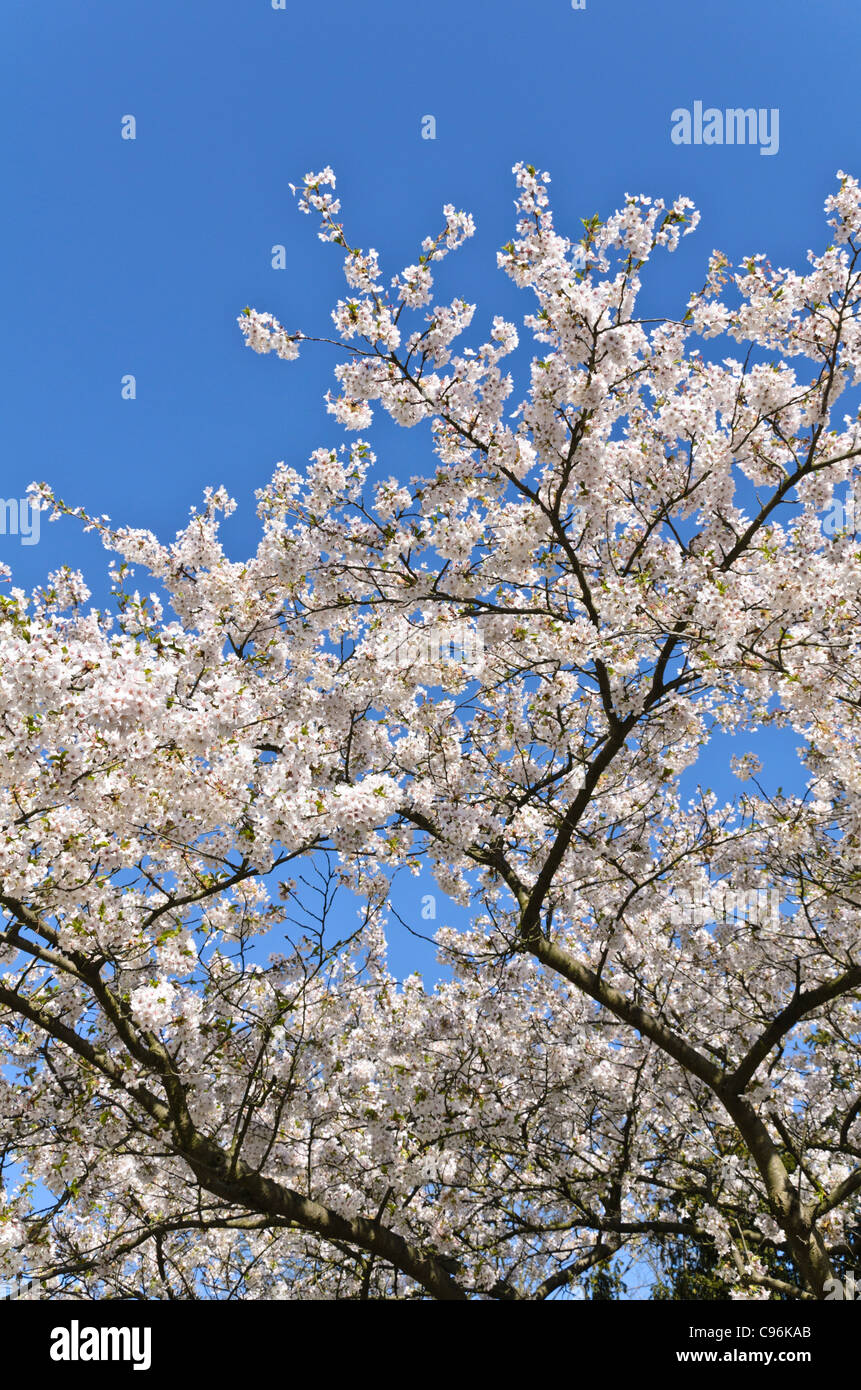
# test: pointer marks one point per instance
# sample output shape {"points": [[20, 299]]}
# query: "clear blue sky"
{"points": [[136, 256]]}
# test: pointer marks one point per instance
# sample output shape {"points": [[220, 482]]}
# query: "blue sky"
{"points": [[135, 257]]}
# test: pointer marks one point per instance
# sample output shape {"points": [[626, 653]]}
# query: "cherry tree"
{"points": [[212, 1084]]}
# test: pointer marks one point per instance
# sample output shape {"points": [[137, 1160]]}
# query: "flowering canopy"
{"points": [[633, 556]]}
